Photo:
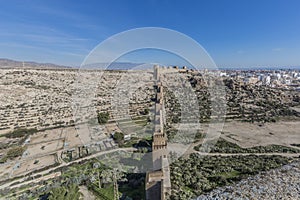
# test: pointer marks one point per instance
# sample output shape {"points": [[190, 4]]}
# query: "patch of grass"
{"points": [[140, 120], [106, 193], [129, 143], [141, 123], [229, 175]]}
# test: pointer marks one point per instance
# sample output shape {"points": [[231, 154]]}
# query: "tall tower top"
{"points": [[156, 72]]}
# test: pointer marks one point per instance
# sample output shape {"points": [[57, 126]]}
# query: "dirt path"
{"points": [[87, 195]]}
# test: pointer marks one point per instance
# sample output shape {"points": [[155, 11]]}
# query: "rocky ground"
{"points": [[282, 183], [43, 98]]}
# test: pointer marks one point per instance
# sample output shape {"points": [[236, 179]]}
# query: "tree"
{"points": [[73, 193], [118, 137], [65, 193], [103, 117], [57, 193]]}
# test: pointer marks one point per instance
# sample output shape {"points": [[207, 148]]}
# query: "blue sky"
{"points": [[236, 33]]}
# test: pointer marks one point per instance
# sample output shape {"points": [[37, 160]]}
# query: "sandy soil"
{"points": [[44, 148], [249, 135], [296, 109], [47, 135], [5, 170], [87, 195], [28, 165], [74, 137]]}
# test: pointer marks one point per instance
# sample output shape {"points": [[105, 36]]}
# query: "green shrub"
{"points": [[118, 137], [18, 133], [195, 175], [224, 146], [103, 117], [15, 152]]}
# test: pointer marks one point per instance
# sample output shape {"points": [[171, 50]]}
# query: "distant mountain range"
{"points": [[8, 63], [118, 66]]}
